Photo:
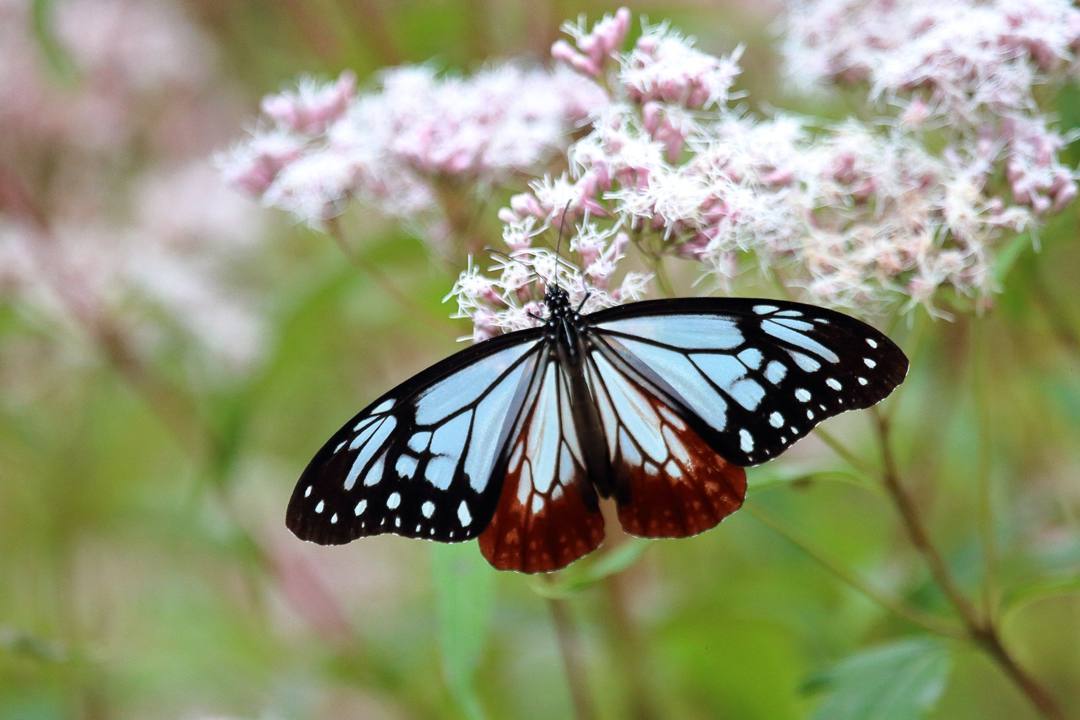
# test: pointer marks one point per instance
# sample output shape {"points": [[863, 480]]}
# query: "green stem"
{"points": [[570, 650], [927, 622], [842, 450], [662, 278]]}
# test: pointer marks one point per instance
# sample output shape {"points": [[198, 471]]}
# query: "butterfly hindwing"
{"points": [[548, 513], [669, 481], [421, 461], [760, 374]]}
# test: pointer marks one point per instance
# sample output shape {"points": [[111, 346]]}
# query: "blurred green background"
{"points": [[145, 571]]}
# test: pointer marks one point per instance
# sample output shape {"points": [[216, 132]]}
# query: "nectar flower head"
{"points": [[511, 296], [313, 105], [593, 48], [666, 66]]}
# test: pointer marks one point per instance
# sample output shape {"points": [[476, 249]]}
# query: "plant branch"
{"points": [[381, 279], [984, 632]]}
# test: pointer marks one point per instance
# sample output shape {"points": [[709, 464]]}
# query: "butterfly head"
{"points": [[557, 301]]}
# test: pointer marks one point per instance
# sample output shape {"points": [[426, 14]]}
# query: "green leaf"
{"points": [[56, 55], [584, 575], [796, 475], [898, 681], [464, 589], [1008, 255], [1021, 597]]}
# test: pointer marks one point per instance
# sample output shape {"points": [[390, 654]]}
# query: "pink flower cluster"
{"points": [[967, 68], [401, 143], [850, 212]]}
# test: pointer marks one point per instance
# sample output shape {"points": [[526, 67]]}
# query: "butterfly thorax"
{"points": [[568, 332], [564, 327]]}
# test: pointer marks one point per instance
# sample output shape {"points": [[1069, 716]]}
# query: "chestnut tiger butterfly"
{"points": [[659, 405]]}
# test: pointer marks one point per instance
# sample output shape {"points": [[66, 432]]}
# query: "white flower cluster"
{"points": [[509, 298], [399, 144], [850, 212]]}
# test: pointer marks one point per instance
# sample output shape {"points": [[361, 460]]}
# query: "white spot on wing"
{"points": [[871, 342], [775, 372], [333, 519], [776, 420], [360, 508], [870, 363], [307, 493], [393, 500], [863, 381], [463, 514], [765, 309], [834, 383], [320, 507], [428, 508], [746, 440], [802, 394]]}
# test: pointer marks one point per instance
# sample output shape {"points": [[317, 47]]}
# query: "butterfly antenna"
{"points": [[558, 244], [500, 254]]}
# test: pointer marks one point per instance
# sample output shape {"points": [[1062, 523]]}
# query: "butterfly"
{"points": [[658, 405]]}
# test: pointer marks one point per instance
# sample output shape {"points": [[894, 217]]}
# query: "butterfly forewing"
{"points": [[760, 374], [423, 460], [548, 513]]}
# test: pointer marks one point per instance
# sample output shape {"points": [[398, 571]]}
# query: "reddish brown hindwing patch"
{"points": [[692, 492], [562, 530]]}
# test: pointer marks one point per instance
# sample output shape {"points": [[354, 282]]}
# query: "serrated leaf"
{"points": [[464, 593], [898, 681]]}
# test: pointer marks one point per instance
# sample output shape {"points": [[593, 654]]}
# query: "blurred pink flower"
{"points": [[395, 145], [312, 106], [125, 230], [594, 47]]}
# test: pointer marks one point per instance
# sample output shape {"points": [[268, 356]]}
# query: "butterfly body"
{"points": [[658, 405], [567, 333]]}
